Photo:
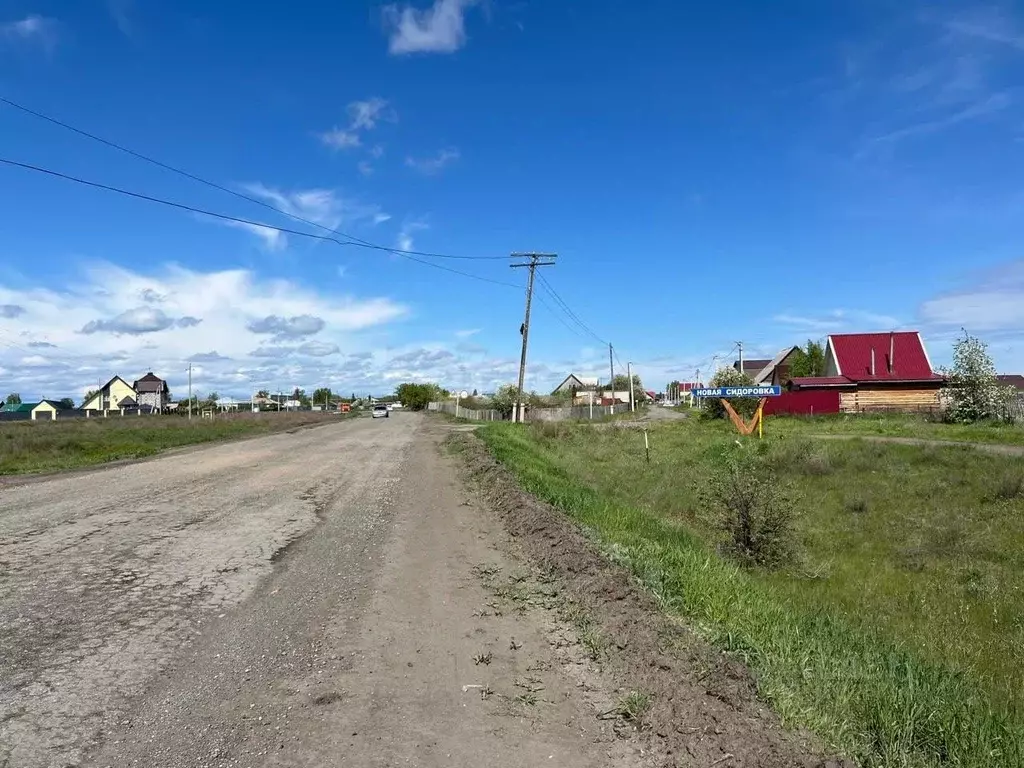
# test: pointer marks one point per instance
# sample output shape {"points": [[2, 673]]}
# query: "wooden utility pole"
{"points": [[190, 391], [611, 381], [739, 345], [629, 375], [535, 260]]}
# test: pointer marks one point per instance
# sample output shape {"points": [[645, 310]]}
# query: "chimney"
{"points": [[872, 361], [892, 351]]}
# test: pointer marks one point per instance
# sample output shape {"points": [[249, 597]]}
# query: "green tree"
{"points": [[504, 400], [729, 377], [475, 393], [67, 403], [974, 390], [621, 383], [13, 399], [809, 361], [89, 396], [322, 396], [212, 397], [263, 393], [416, 397]]}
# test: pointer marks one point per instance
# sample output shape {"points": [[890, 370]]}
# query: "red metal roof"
{"points": [[909, 359]]}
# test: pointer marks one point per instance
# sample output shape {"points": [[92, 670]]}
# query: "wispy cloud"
{"points": [[988, 24], [404, 241], [363, 116], [273, 239], [838, 320], [32, 28], [365, 167], [340, 138], [434, 164], [994, 302], [938, 74], [467, 333], [990, 105], [438, 29]]}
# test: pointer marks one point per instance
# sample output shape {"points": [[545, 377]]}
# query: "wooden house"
{"points": [[877, 372]]}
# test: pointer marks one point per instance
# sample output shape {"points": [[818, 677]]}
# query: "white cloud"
{"points": [[365, 167], [273, 239], [838, 321], [438, 29], [126, 337], [435, 163], [994, 303], [362, 116], [380, 218], [467, 333], [32, 27], [339, 138], [321, 206], [404, 241], [377, 152]]}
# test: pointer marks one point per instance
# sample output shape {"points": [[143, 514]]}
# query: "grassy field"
{"points": [[893, 425], [899, 633], [43, 446]]}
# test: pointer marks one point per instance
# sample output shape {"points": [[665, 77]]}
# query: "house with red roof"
{"points": [[876, 371]]}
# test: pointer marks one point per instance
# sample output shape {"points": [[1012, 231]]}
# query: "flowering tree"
{"points": [[974, 391]]}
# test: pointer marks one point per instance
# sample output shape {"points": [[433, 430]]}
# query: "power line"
{"points": [[352, 238], [567, 310], [236, 219]]}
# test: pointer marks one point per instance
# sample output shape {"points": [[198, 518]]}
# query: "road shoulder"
{"points": [[704, 708]]}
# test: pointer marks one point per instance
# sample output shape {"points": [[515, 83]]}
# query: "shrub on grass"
{"points": [[755, 512], [729, 377]]}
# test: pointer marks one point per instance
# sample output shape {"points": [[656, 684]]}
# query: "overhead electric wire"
{"points": [[236, 219], [565, 308], [353, 240], [558, 316]]}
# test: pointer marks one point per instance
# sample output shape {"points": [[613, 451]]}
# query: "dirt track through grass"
{"points": [[898, 635]]}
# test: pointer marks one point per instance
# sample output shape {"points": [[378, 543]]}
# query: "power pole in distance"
{"points": [[535, 260], [611, 381], [739, 345], [190, 391]]}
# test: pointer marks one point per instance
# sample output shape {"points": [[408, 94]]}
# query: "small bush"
{"points": [[857, 506], [755, 512], [729, 377], [1010, 486]]}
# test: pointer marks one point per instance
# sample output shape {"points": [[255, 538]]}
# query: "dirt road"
{"points": [[317, 598]]}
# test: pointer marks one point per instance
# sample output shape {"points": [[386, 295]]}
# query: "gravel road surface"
{"points": [[303, 599]]}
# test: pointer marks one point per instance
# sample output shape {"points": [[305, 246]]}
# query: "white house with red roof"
{"points": [[877, 371]]}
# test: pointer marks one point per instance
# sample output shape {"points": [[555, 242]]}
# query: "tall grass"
{"points": [[41, 446], [841, 644], [898, 425]]}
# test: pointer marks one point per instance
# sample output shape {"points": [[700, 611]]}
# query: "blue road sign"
{"points": [[751, 391]]}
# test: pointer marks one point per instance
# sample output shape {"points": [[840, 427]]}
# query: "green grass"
{"points": [[44, 446], [898, 636], [896, 425]]}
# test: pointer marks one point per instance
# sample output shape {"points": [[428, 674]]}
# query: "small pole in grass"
{"points": [[647, 447]]}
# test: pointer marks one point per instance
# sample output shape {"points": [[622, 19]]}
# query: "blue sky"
{"points": [[742, 171]]}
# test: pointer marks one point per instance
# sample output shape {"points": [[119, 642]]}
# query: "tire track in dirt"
{"points": [[109, 574]]}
